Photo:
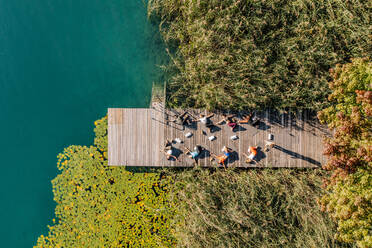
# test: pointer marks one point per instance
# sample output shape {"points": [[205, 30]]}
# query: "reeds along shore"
{"points": [[255, 208], [258, 54]]}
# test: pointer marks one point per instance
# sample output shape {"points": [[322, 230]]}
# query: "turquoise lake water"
{"points": [[62, 63]]}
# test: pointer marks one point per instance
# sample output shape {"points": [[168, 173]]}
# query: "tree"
{"points": [[350, 151], [349, 203], [101, 206], [349, 117]]}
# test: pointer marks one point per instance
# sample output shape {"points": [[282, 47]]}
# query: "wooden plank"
{"points": [[276, 127], [143, 147], [162, 132], [161, 139], [157, 116], [322, 132], [290, 162], [291, 138], [144, 138], [150, 146], [120, 139], [155, 136], [111, 136], [310, 144], [281, 156], [302, 145], [168, 136], [267, 132], [129, 145], [261, 138], [135, 144]]}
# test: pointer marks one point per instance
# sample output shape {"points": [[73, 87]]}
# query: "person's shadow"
{"points": [[234, 156], [239, 128], [214, 128], [204, 154], [297, 155], [193, 125], [176, 152], [260, 155], [263, 126]]}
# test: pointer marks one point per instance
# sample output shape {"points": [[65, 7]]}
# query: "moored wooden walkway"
{"points": [[136, 136]]}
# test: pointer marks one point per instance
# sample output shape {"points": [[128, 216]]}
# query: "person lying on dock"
{"points": [[206, 121], [195, 153], [255, 121], [230, 121], [169, 151], [225, 117], [269, 145], [183, 119], [252, 154], [246, 119], [248, 159], [222, 158]]}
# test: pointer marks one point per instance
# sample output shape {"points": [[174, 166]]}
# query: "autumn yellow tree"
{"points": [[349, 200]]}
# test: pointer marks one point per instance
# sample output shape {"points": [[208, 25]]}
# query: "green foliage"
{"points": [[350, 153], [249, 54], [350, 116], [101, 206], [267, 208], [350, 205]]}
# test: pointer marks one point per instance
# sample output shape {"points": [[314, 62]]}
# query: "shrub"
{"points": [[349, 204]]}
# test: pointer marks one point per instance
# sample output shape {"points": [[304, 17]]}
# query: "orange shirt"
{"points": [[222, 159], [253, 150]]}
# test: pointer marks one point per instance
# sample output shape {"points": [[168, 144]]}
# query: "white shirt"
{"points": [[203, 120]]}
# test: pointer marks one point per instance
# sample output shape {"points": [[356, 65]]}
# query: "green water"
{"points": [[62, 63]]}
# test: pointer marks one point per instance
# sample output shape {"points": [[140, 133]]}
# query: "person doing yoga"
{"points": [[246, 119], [252, 154], [183, 119], [205, 119], [222, 158], [230, 121], [195, 153], [169, 151]]}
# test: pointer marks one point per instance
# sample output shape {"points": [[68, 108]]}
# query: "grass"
{"points": [[157, 93], [255, 208], [250, 54]]}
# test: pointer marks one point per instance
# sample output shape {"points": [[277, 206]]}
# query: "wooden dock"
{"points": [[136, 136]]}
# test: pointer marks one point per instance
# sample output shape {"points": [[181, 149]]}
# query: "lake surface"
{"points": [[62, 63]]}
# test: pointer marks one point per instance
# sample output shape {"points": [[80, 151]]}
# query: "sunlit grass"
{"points": [[255, 208], [258, 54]]}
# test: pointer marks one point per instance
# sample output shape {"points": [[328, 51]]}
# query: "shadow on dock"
{"points": [[298, 156]]}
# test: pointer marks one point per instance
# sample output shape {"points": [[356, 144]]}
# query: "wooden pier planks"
{"points": [[136, 136]]}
